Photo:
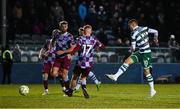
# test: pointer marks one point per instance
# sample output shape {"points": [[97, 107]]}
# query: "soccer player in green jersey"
{"points": [[143, 55]]}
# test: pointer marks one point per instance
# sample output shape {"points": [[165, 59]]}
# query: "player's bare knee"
{"points": [[74, 77], [128, 61], [45, 76], [83, 77], [65, 77], [54, 73], [65, 71]]}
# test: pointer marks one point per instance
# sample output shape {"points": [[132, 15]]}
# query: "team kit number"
{"points": [[86, 49]]}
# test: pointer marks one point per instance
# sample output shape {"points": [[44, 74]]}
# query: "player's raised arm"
{"points": [[99, 44], [78, 45], [155, 32]]}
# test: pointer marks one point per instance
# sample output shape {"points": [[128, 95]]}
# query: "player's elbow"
{"points": [[156, 33]]}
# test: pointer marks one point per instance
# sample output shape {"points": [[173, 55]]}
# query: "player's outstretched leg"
{"points": [[95, 80], [121, 70]]}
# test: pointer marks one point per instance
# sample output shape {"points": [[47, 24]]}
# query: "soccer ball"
{"points": [[23, 90]]}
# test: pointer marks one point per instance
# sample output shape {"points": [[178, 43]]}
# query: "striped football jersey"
{"points": [[140, 39]]}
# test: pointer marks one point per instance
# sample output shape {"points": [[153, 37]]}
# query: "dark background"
{"points": [[28, 16]]}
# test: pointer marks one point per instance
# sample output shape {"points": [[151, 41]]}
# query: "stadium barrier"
{"points": [[115, 54], [30, 45], [31, 73]]}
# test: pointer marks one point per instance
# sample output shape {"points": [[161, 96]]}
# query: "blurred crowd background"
{"points": [[106, 17], [32, 21]]}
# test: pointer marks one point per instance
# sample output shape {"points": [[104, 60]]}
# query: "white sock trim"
{"points": [[126, 64]]}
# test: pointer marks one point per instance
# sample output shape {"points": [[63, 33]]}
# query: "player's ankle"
{"points": [[96, 82], [116, 76], [152, 89]]}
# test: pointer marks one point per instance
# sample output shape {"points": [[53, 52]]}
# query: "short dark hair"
{"points": [[63, 23], [132, 21]]}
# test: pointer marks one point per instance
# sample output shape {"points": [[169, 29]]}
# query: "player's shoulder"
{"points": [[69, 34], [81, 37], [47, 41], [138, 30], [135, 32], [143, 28], [95, 38]]}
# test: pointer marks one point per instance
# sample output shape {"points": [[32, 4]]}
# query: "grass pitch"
{"points": [[109, 96]]}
